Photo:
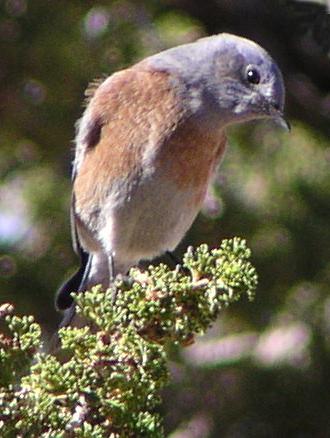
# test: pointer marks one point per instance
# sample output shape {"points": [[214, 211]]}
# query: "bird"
{"points": [[148, 145]]}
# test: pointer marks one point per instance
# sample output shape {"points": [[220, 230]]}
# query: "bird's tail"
{"points": [[64, 300], [94, 269], [75, 283]]}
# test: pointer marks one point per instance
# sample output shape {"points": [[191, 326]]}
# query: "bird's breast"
{"points": [[190, 157]]}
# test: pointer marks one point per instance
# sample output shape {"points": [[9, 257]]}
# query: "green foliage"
{"points": [[114, 367], [17, 352]]}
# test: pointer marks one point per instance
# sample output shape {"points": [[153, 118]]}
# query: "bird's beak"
{"points": [[277, 115], [282, 122]]}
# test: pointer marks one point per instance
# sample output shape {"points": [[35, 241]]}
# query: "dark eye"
{"points": [[252, 75]]}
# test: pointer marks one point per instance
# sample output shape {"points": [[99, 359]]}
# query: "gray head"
{"points": [[231, 75]]}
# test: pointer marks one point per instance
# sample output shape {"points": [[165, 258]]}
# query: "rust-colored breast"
{"points": [[192, 154]]}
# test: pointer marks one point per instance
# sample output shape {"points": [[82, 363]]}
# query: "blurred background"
{"points": [[264, 369]]}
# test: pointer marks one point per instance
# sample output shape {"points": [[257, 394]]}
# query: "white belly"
{"points": [[149, 222]]}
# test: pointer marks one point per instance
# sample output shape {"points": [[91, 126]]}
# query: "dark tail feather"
{"points": [[63, 298]]}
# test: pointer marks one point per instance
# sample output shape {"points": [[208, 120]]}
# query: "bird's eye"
{"points": [[252, 75]]}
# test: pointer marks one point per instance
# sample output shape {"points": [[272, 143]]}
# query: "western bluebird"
{"points": [[147, 145]]}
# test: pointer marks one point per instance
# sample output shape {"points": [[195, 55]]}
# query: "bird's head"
{"points": [[233, 76], [245, 81]]}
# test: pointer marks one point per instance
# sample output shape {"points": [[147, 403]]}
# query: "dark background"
{"points": [[264, 369]]}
